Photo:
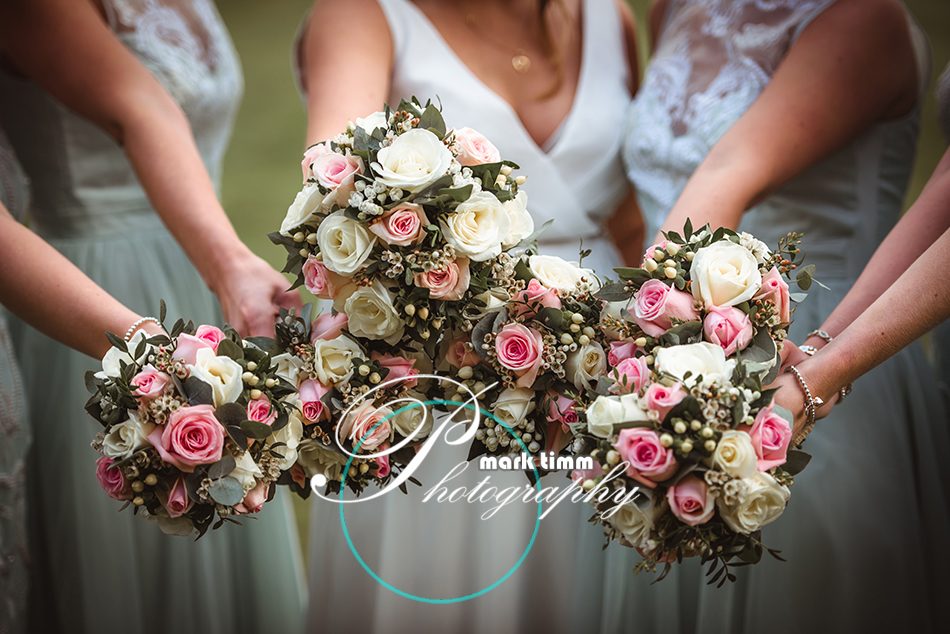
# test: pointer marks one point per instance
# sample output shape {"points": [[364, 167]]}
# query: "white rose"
{"points": [[413, 161], [306, 203], [315, 459], [288, 366], [758, 248], [735, 454], [410, 418], [522, 224], [333, 359], [513, 405], [290, 435], [607, 411], [478, 227], [344, 243], [370, 312], [246, 471], [223, 374], [586, 365], [724, 274], [633, 522], [492, 301], [126, 438], [764, 502], [703, 358], [373, 121], [558, 273], [614, 310], [111, 366]]}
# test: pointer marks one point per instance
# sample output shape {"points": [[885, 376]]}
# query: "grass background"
{"points": [[262, 166]]}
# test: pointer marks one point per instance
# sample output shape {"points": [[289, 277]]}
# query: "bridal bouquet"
{"points": [[683, 412], [197, 424]]}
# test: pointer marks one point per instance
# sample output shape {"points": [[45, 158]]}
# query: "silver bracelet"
{"points": [[843, 392], [820, 333], [135, 326], [812, 403], [809, 350]]}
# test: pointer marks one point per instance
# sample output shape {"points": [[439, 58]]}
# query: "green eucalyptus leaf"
{"points": [[222, 467], [255, 429], [796, 461], [227, 348], [227, 491]]}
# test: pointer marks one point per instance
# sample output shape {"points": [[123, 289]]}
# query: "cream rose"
{"points": [[344, 243], [491, 301], [333, 359], [305, 205], [724, 274], [560, 274], [223, 374], [373, 121], [246, 471], [607, 411], [290, 435], [633, 522], [522, 224], [735, 454], [696, 359], [314, 458], [764, 502], [289, 367], [586, 365], [478, 227], [370, 312], [413, 161], [111, 366], [410, 419], [126, 438], [513, 405]]}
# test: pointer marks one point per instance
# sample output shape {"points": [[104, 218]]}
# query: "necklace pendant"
{"points": [[521, 63]]}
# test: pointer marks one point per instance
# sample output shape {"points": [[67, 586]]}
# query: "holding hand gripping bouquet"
{"points": [[197, 424]]}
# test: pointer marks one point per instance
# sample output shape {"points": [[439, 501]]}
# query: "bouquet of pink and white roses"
{"points": [[197, 424], [684, 412]]}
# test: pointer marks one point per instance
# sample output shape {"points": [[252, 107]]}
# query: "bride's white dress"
{"points": [[444, 551]]}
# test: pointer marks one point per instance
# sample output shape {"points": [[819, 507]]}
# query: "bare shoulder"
{"points": [[364, 17], [629, 25]]}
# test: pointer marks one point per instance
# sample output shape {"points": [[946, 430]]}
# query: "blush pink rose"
{"points": [[474, 148], [382, 463], [662, 399], [536, 296], [328, 326], [400, 368], [402, 225], [727, 327], [649, 461], [631, 375], [579, 476], [519, 349], [561, 409], [112, 481], [331, 169], [309, 396], [259, 409], [620, 350], [320, 280], [150, 383], [254, 500], [449, 283], [770, 435], [176, 500], [187, 347], [369, 424], [775, 290], [212, 334], [691, 501], [309, 156], [192, 436], [458, 356], [655, 306]]}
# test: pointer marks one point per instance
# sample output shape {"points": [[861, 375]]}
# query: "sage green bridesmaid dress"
{"points": [[99, 570]]}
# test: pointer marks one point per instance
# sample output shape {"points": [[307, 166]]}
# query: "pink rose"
{"points": [[310, 394], [727, 327], [632, 375], [770, 435], [327, 326], [211, 334], [557, 436], [254, 499], [332, 169], [309, 156], [150, 383], [449, 283], [458, 356], [536, 296], [399, 367], [192, 436], [187, 346], [260, 410], [662, 399], [320, 280], [649, 461], [561, 409], [112, 481], [650, 252], [176, 501], [691, 501], [368, 424], [775, 290], [620, 350], [401, 225], [655, 306], [382, 463], [519, 350], [579, 476], [474, 148]]}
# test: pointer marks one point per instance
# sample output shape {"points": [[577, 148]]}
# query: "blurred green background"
{"points": [[262, 167]]}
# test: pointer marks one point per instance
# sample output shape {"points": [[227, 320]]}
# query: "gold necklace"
{"points": [[519, 61]]}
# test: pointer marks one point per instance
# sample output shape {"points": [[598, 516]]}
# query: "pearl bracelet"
{"points": [[135, 326], [812, 403]]}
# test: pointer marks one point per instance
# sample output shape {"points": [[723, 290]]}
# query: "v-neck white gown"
{"points": [[444, 551]]}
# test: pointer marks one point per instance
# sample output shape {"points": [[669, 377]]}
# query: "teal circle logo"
{"points": [[406, 595]]}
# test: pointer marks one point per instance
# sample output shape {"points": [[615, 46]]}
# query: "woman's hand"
{"points": [[252, 293]]}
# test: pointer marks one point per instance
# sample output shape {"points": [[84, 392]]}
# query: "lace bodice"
{"points": [[82, 181]]}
